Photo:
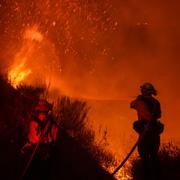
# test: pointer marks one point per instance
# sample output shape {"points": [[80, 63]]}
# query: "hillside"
{"points": [[74, 154]]}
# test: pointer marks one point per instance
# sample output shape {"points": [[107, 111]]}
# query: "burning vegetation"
{"points": [[21, 69], [18, 73]]}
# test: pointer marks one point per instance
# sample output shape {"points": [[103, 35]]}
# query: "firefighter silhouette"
{"points": [[149, 128]]}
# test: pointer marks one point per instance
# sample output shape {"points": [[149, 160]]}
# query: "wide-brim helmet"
{"points": [[148, 88], [43, 105]]}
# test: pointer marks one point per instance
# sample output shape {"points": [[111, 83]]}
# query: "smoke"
{"points": [[98, 50]]}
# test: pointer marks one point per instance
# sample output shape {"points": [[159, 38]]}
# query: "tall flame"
{"points": [[18, 73], [24, 58]]}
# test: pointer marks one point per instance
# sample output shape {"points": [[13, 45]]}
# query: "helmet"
{"points": [[43, 105], [148, 88]]}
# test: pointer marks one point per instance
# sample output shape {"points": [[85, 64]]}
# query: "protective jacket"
{"points": [[148, 111], [36, 128]]}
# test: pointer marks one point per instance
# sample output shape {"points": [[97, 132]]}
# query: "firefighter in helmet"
{"points": [[42, 134], [42, 129], [39, 123], [149, 128]]}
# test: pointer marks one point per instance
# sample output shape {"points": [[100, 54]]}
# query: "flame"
{"points": [[24, 58], [18, 73], [123, 174]]}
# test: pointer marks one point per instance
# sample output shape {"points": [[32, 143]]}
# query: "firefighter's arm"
{"points": [[142, 109], [33, 137], [133, 104]]}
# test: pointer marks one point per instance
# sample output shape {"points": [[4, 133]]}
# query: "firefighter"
{"points": [[39, 122], [149, 128], [42, 134]]}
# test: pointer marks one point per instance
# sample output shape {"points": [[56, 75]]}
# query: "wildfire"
{"points": [[18, 73], [25, 57], [123, 173]]}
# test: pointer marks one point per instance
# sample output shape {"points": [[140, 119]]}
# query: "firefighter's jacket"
{"points": [[36, 130], [148, 110], [147, 107]]}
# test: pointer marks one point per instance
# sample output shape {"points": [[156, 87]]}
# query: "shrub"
{"points": [[169, 155], [70, 114]]}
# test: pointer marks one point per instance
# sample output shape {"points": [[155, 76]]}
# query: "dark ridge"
{"points": [[74, 155]]}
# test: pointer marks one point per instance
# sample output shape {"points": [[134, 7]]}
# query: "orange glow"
{"points": [[33, 34], [18, 73], [122, 174], [22, 67], [100, 51]]}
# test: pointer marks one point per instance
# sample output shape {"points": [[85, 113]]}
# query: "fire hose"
{"points": [[115, 171], [132, 149]]}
